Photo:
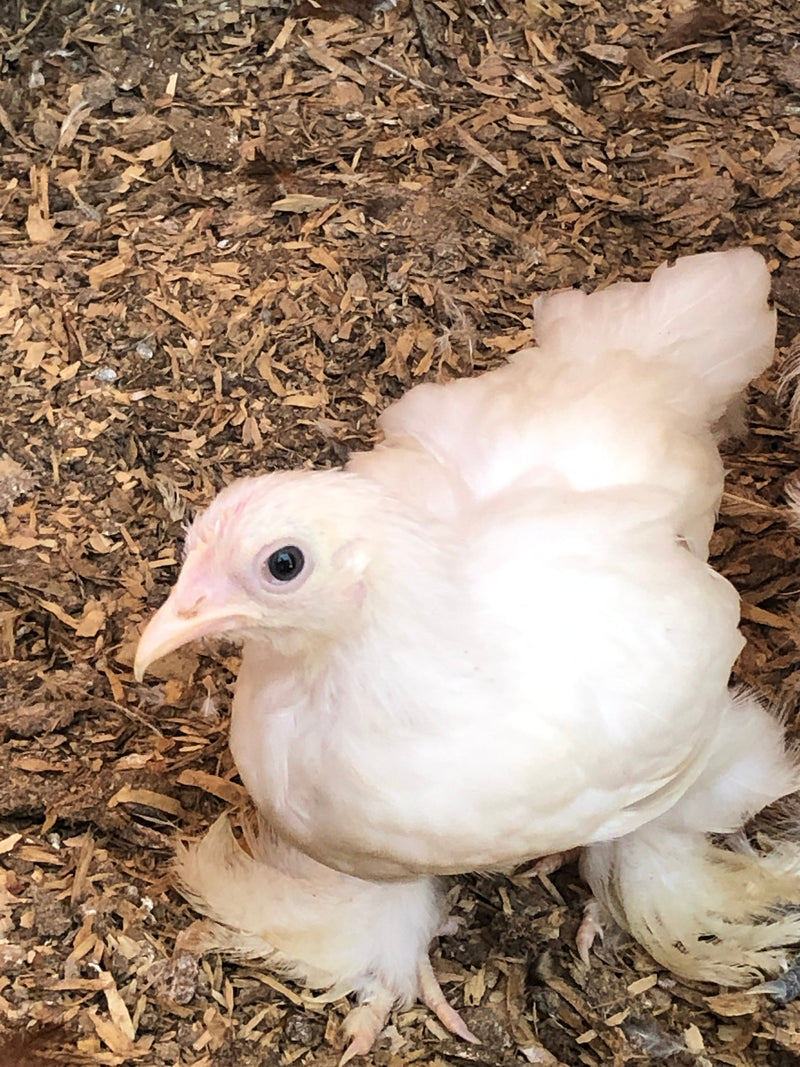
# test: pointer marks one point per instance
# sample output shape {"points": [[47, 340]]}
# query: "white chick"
{"points": [[494, 638]]}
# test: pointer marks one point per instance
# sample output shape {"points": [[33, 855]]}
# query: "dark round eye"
{"points": [[285, 563]]}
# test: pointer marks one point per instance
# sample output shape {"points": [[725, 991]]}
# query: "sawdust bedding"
{"points": [[230, 233]]}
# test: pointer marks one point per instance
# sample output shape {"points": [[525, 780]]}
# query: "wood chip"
{"points": [[642, 985]]}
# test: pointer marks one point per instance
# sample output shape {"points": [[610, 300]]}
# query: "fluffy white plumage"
{"points": [[504, 642]]}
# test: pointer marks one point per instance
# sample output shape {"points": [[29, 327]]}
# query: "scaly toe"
{"points": [[430, 993], [364, 1023], [548, 865], [590, 929]]}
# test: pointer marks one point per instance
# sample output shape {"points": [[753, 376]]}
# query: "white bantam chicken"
{"points": [[493, 638]]}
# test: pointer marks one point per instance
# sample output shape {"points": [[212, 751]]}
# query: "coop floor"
{"points": [[229, 235]]}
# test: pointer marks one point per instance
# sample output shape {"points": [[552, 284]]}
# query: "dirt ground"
{"points": [[230, 233]]}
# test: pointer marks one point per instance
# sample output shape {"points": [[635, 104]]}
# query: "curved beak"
{"points": [[201, 604]]}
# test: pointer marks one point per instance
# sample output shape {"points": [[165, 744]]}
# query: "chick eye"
{"points": [[285, 563]]}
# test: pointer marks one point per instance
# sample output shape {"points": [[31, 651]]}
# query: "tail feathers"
{"points": [[706, 315], [308, 922], [702, 911]]}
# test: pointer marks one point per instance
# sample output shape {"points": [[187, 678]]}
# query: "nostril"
{"points": [[189, 613]]}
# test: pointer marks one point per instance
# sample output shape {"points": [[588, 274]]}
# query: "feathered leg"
{"points": [[727, 915], [323, 928]]}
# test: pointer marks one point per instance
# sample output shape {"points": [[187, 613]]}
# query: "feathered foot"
{"points": [[365, 1022], [727, 915], [321, 927]]}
